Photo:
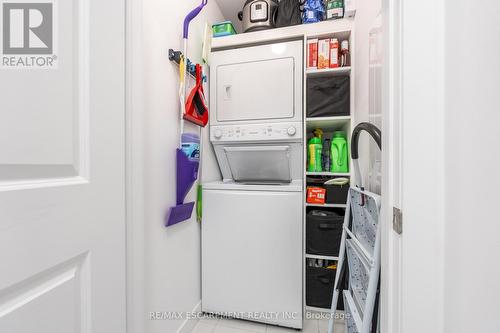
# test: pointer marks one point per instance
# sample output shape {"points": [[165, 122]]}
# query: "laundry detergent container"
{"points": [[320, 282], [324, 232], [328, 96]]}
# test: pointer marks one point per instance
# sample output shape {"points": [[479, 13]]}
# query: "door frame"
{"points": [[391, 167], [134, 168], [414, 106]]}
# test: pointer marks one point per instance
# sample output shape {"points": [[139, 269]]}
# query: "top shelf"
{"points": [[313, 72], [341, 28]]}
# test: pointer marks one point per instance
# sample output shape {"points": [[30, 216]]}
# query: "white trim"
{"points": [[390, 300], [134, 169], [189, 324]]}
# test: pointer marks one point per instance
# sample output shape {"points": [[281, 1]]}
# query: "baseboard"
{"points": [[189, 324]]}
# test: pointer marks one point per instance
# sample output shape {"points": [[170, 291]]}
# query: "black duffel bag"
{"points": [[289, 13]]}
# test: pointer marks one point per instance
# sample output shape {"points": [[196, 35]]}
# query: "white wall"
{"points": [[366, 13], [172, 258], [472, 148]]}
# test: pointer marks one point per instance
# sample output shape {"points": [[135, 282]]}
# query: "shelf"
{"points": [[328, 174], [340, 28], [326, 123], [313, 72], [314, 256], [326, 205], [320, 310]]}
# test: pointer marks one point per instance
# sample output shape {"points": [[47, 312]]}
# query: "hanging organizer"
{"points": [[187, 170], [177, 56]]}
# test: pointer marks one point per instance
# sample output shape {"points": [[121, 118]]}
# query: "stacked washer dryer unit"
{"points": [[252, 232]]}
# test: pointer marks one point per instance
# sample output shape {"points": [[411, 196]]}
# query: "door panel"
{"points": [[62, 195], [262, 82], [43, 131], [250, 91], [252, 253]]}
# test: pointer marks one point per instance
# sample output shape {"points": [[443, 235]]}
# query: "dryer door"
{"points": [[257, 83]]}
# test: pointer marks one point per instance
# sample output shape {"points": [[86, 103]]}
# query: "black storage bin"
{"points": [[319, 288], [328, 96], [335, 194], [324, 232]]}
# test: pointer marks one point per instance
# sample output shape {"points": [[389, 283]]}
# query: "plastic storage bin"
{"points": [[223, 29], [329, 96], [335, 194], [319, 286], [324, 232]]}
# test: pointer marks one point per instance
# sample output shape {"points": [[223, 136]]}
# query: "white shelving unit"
{"points": [[328, 72], [328, 124], [314, 256], [326, 205], [328, 174]]}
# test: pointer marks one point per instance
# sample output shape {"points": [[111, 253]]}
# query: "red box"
{"points": [[312, 53], [316, 195], [334, 53]]}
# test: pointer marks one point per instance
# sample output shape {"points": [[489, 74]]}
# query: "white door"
{"points": [[62, 221], [252, 254]]}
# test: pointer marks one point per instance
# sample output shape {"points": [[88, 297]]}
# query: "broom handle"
{"points": [[185, 36]]}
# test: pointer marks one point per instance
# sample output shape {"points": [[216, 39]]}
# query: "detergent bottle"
{"points": [[339, 153], [315, 148]]}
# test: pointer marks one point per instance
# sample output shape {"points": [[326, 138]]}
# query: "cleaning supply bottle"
{"points": [[339, 153], [191, 146], [326, 154], [315, 148]]}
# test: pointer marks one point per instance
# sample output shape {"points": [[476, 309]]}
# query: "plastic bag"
{"points": [[289, 13], [314, 11]]}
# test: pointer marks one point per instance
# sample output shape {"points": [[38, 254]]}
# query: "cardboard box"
{"points": [[312, 53], [334, 53], [323, 53], [316, 195]]}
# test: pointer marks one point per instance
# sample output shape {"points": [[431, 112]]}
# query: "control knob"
{"points": [[291, 130], [218, 134]]}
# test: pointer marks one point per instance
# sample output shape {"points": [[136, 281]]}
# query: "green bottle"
{"points": [[339, 153], [315, 149]]}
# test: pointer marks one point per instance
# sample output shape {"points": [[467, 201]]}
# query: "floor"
{"points": [[242, 326]]}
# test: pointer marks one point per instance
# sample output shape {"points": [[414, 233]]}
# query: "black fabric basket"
{"points": [[324, 233], [319, 287], [328, 96], [335, 194]]}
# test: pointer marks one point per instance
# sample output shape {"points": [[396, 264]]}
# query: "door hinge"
{"points": [[397, 220]]}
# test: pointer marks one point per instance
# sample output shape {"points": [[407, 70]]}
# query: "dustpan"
{"points": [[196, 105]]}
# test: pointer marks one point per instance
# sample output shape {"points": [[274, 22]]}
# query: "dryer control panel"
{"points": [[257, 132]]}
